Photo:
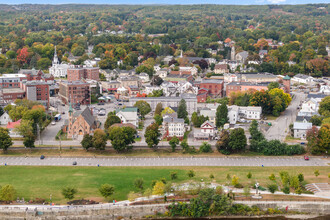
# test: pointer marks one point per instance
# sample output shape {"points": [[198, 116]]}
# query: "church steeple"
{"points": [[55, 60]]}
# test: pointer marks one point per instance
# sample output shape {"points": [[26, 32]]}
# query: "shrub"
{"points": [[272, 177], [239, 186], [219, 190], [174, 175], [158, 188], [298, 190], [286, 190], [191, 173], [106, 190], [138, 184], [153, 183], [234, 180], [133, 195], [7, 193], [211, 176], [316, 173], [163, 180], [69, 192], [228, 176], [301, 177], [272, 187], [249, 175], [205, 148]]}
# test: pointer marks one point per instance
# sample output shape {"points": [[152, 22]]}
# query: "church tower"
{"points": [[55, 60], [232, 53]]}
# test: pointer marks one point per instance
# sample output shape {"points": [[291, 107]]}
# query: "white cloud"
{"points": [[276, 1]]}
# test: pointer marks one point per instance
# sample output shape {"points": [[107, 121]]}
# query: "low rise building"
{"points": [[128, 115], [91, 73], [214, 86], [301, 78], [37, 91], [5, 118], [300, 129], [173, 127], [221, 69]]}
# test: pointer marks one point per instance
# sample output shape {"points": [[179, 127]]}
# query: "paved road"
{"points": [[165, 161], [280, 126]]}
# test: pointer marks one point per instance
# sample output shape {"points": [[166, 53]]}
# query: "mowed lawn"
{"points": [[39, 182]]}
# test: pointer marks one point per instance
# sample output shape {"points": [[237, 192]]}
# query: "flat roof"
{"points": [[12, 90]]}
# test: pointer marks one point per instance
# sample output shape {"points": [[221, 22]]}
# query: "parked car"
{"points": [[74, 163], [42, 157], [306, 158], [53, 123], [302, 143], [63, 113]]}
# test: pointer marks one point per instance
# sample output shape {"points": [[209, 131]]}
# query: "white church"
{"points": [[58, 70]]}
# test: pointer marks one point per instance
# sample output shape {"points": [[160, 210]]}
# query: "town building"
{"points": [[177, 76], [127, 81], [237, 113], [81, 123], [191, 101], [173, 127], [221, 69], [128, 115], [75, 74], [110, 86], [309, 108], [37, 91], [75, 92], [5, 118], [301, 78], [214, 86], [300, 129]]}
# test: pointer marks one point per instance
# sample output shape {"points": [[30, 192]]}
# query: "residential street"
{"points": [[164, 161], [280, 126]]}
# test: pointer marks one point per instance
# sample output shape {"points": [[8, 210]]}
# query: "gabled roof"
{"points": [[209, 123], [302, 126], [87, 115], [11, 125]]}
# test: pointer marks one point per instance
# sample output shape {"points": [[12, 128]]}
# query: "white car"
{"points": [[53, 123]]}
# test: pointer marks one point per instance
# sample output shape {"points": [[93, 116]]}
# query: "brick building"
{"points": [[75, 74], [11, 80], [214, 86], [36, 91], [244, 87], [75, 91]]}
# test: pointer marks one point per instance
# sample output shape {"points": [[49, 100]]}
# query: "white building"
{"points": [[191, 69], [149, 89], [208, 128], [236, 113], [173, 127], [57, 69], [144, 77], [162, 73], [300, 129], [128, 115], [175, 89], [4, 119], [309, 108], [301, 78]]}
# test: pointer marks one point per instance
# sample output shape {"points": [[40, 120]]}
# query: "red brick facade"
{"points": [[76, 92], [215, 87], [83, 73]]}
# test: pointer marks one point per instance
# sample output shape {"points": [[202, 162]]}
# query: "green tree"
{"points": [[301, 177], [122, 138], [174, 142], [69, 192], [87, 142], [143, 107], [316, 120], [44, 63], [235, 180], [159, 108], [324, 108], [7, 193], [5, 139], [272, 177], [223, 143], [106, 190], [159, 188], [286, 190], [1, 111], [152, 135], [111, 119], [99, 139], [182, 109], [273, 85], [249, 175], [138, 184], [26, 130], [221, 115], [237, 140], [158, 119]]}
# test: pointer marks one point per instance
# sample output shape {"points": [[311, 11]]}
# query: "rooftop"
{"points": [[302, 126]]}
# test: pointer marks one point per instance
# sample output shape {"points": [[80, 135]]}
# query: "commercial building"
{"points": [[75, 74], [36, 91], [214, 86], [75, 92]]}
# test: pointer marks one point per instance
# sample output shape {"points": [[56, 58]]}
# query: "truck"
{"points": [[57, 117]]}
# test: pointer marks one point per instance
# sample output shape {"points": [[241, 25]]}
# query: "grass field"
{"points": [[39, 182]]}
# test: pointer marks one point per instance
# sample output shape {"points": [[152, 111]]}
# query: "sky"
{"points": [[224, 2]]}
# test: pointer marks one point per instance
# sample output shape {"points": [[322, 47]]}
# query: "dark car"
{"points": [[74, 163], [306, 158], [302, 143], [63, 104], [42, 157], [63, 113]]}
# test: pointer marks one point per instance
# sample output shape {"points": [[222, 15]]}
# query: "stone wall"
{"points": [[136, 212]]}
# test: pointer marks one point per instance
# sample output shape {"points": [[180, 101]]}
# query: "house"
{"points": [[162, 73], [149, 89], [81, 123], [192, 69], [301, 78], [207, 112], [304, 119], [263, 53], [144, 77], [5, 119], [242, 56], [171, 89], [309, 108], [208, 128], [128, 115], [300, 129], [173, 127], [11, 127], [221, 69], [237, 113]]}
